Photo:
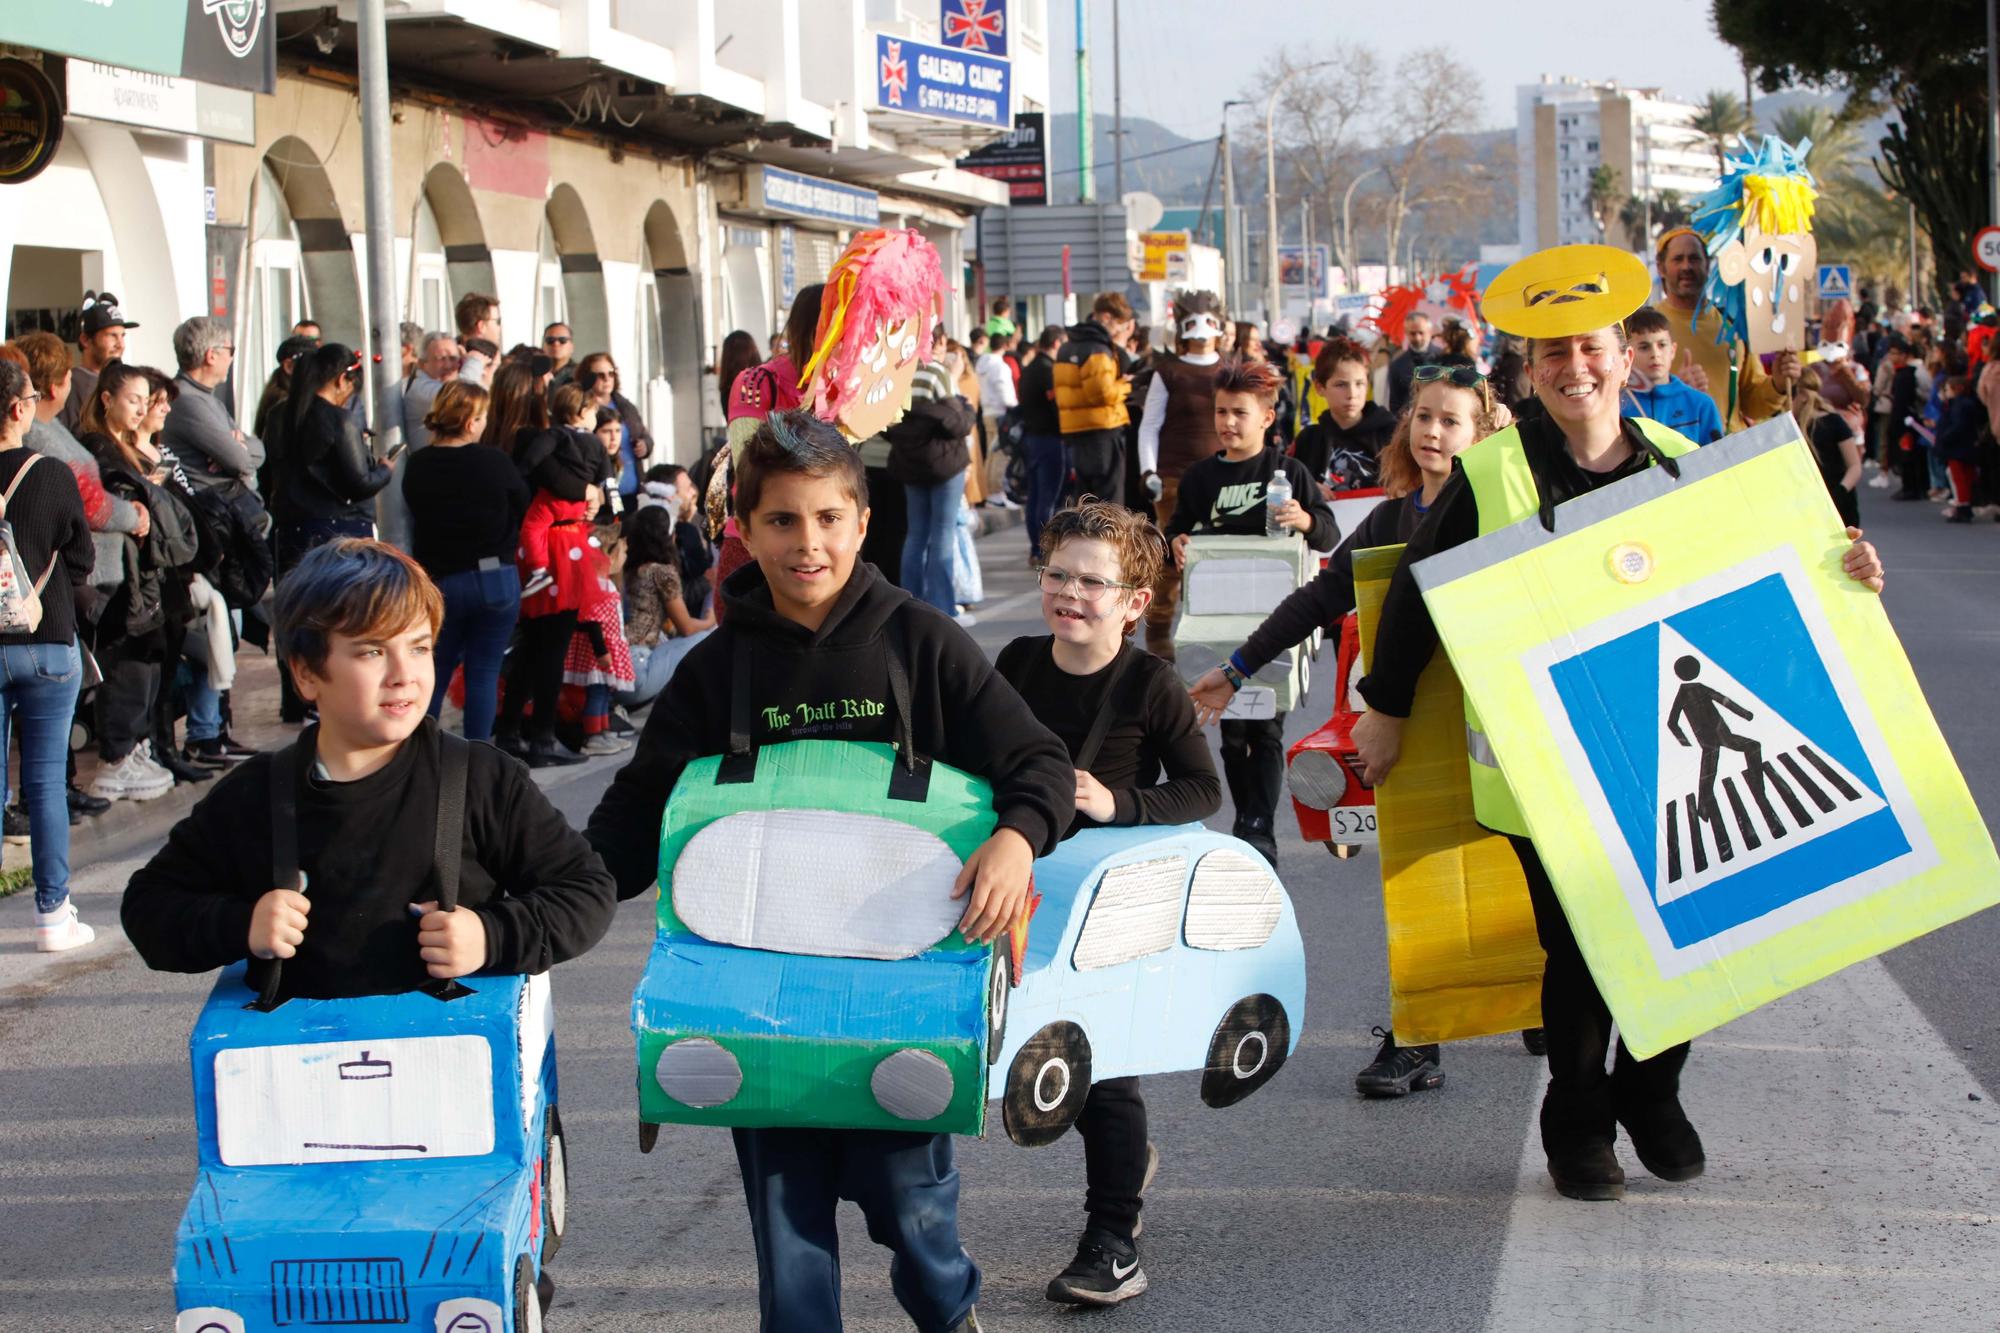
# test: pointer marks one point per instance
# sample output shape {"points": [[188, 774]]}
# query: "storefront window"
{"points": [[277, 296], [430, 296]]}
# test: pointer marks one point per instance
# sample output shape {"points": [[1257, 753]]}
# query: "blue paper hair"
{"points": [[1770, 181]]}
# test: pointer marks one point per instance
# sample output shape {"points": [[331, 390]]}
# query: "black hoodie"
{"points": [[1350, 452], [833, 684]]}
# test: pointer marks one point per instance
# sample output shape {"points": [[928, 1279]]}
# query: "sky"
{"points": [[1184, 58]]}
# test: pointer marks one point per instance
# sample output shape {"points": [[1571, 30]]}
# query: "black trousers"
{"points": [[1113, 1126], [534, 673], [125, 699], [1583, 1102], [1253, 764], [888, 524]]}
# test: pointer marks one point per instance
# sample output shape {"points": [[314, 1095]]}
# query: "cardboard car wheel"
{"points": [[555, 1186], [527, 1301], [1000, 981], [1249, 1046], [1047, 1085]]}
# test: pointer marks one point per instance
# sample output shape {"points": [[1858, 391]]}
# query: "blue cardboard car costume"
{"points": [[1153, 950], [393, 1161]]}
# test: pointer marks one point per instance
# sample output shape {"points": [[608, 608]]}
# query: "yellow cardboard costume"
{"points": [[1463, 957]]}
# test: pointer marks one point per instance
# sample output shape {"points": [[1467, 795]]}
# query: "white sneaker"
{"points": [[144, 750], [1881, 481], [605, 743], [130, 779], [965, 618], [59, 930]]}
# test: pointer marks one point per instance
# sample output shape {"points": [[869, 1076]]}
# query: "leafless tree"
{"points": [[1436, 102]]}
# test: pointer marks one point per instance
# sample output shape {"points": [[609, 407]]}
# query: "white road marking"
{"points": [[1824, 1115]]}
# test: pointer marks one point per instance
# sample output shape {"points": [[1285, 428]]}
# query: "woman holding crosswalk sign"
{"points": [[1570, 303]]}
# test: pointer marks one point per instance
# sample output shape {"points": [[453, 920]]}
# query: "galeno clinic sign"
{"points": [[944, 84]]}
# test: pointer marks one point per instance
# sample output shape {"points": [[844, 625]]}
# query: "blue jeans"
{"points": [[480, 606], [204, 702], [38, 686], [653, 666], [930, 538], [907, 1188], [1048, 471]]}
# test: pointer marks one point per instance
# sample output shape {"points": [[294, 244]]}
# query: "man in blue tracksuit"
{"points": [[1654, 391]]}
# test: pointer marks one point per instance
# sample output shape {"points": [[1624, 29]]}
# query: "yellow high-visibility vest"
{"points": [[1503, 486]]}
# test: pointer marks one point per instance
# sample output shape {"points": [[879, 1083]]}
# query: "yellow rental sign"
{"points": [[1672, 682], [1163, 256]]}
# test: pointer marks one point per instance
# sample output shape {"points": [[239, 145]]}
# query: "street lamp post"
{"points": [[1232, 268], [1271, 195], [1347, 224]]}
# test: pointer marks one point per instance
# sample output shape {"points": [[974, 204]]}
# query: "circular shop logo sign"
{"points": [[239, 21], [31, 121]]}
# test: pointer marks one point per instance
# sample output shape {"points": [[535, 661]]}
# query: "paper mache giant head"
{"points": [[883, 297], [1757, 227]]}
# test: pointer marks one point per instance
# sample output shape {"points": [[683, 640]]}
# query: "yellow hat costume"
{"points": [[1567, 290]]}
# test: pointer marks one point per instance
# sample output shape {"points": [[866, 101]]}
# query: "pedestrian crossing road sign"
{"points": [[1836, 282], [1725, 813]]}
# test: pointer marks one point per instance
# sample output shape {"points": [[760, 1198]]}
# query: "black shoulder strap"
{"points": [[454, 753], [1100, 726], [265, 973], [448, 850], [911, 778], [740, 764]]}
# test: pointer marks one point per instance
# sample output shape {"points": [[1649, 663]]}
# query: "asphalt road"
{"points": [[1851, 1128]]}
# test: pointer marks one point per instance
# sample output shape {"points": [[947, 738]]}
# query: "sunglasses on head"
{"points": [[1462, 376]]}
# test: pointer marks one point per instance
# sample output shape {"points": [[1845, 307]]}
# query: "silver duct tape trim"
{"points": [[1478, 748]]}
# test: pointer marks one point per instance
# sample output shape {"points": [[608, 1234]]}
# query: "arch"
{"points": [[468, 263], [326, 253], [569, 230], [670, 307]]}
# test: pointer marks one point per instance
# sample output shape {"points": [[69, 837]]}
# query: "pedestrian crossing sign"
{"points": [[1836, 282], [1725, 812]]}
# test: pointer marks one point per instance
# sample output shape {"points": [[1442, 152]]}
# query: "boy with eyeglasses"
{"points": [[1126, 721], [1225, 494]]}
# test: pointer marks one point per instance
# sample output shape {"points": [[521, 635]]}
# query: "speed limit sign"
{"points": [[1986, 248]]}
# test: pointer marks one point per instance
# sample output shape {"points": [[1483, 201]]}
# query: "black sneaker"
{"points": [[550, 754], [622, 724], [82, 802], [235, 752], [1587, 1170], [205, 754], [508, 741], [184, 772], [16, 825], [1397, 1071], [1105, 1271], [1536, 1040]]}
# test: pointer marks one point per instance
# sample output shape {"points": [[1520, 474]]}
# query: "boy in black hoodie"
{"points": [[1225, 494], [815, 625], [1341, 448], [355, 621]]}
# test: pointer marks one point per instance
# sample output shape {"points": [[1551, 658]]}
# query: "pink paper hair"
{"points": [[883, 277]]}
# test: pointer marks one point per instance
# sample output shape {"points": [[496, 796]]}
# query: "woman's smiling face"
{"points": [[1580, 378]]}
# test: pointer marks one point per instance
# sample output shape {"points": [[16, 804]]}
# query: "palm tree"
{"points": [[1720, 117], [1603, 192], [1663, 214], [1853, 221]]}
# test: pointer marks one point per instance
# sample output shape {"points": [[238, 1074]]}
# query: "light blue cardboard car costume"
{"points": [[391, 1162], [1154, 950]]}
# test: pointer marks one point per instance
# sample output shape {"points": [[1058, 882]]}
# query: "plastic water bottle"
{"points": [[1277, 494]]}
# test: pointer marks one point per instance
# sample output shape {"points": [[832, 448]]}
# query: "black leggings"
{"points": [[1583, 1102], [535, 673], [1253, 765], [1113, 1126]]}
